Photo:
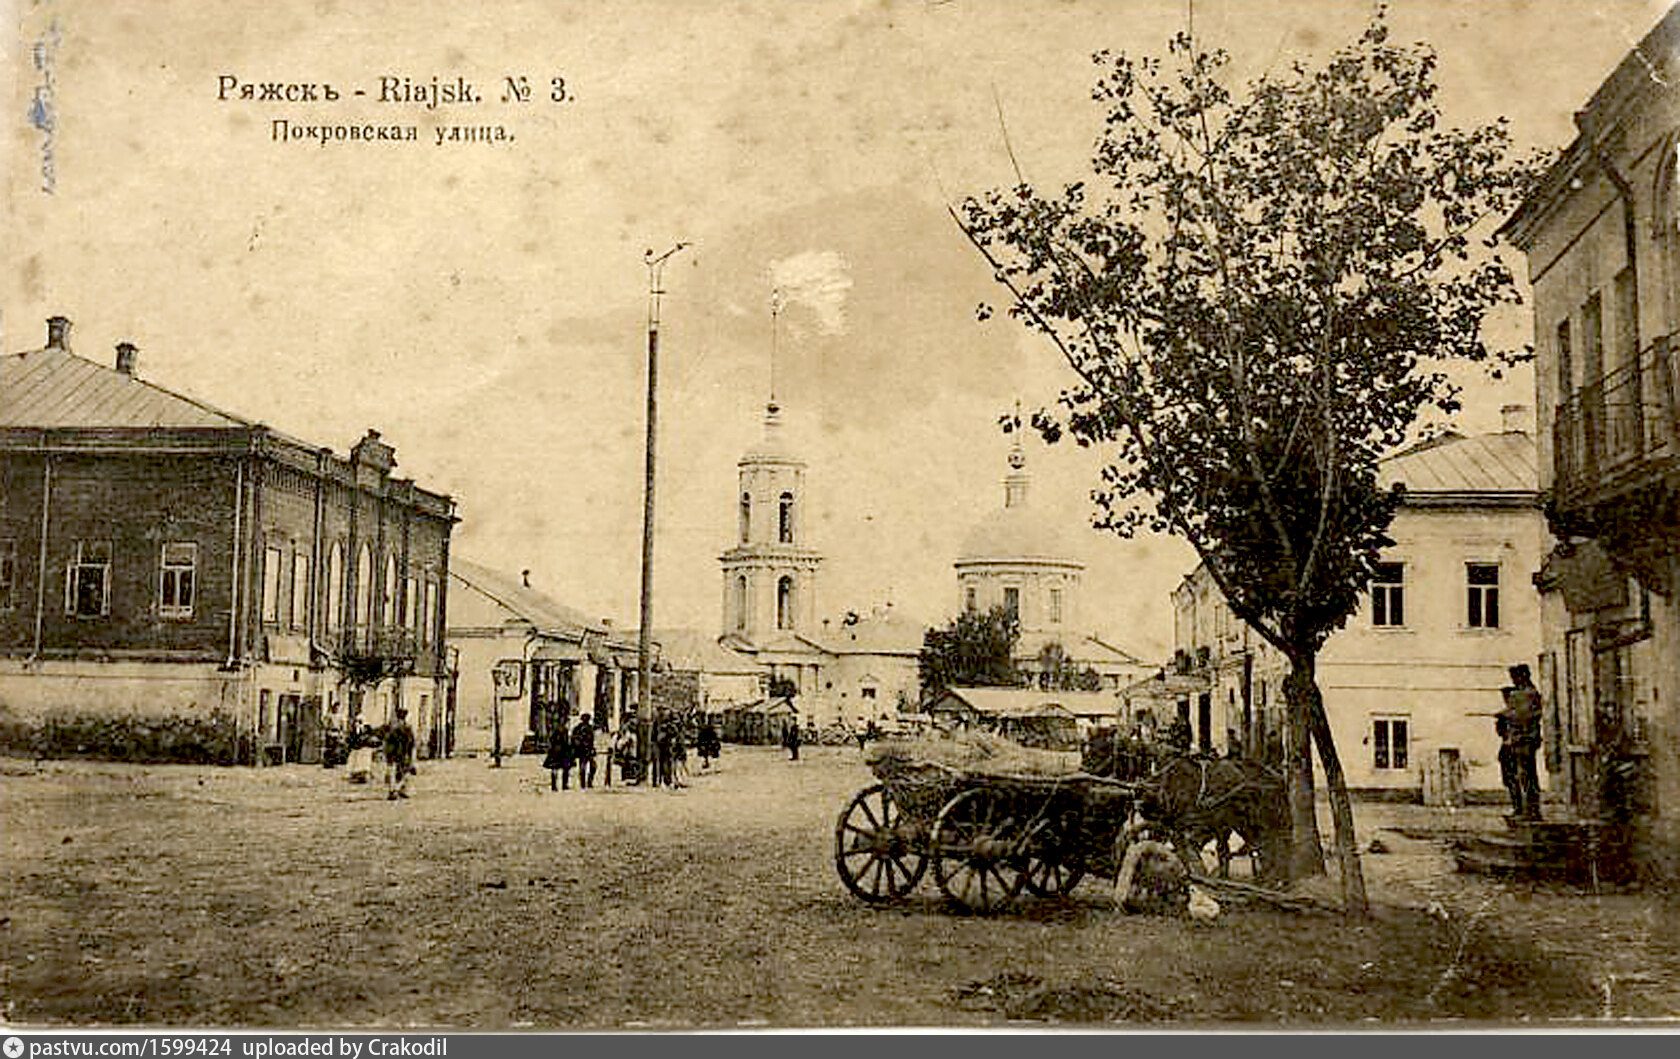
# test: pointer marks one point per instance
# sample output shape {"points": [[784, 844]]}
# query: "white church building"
{"points": [[1020, 559]]}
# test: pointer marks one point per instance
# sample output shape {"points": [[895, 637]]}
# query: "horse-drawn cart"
{"points": [[989, 834]]}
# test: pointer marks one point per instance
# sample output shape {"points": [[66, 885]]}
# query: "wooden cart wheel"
{"points": [[878, 850], [977, 850], [1053, 867]]}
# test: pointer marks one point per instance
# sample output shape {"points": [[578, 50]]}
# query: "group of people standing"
{"points": [[576, 748], [394, 744], [568, 749]]}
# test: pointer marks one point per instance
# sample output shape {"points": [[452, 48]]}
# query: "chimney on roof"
{"points": [[1514, 418], [58, 332], [128, 354], [525, 578]]}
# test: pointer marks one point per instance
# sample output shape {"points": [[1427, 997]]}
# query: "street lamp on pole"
{"points": [[644, 658]]}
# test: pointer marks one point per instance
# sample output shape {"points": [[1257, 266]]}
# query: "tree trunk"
{"points": [[1306, 854], [1341, 809], [1303, 683]]}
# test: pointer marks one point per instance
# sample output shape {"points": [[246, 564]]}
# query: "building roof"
{"points": [[1030, 702], [693, 650], [1166, 684], [54, 387], [520, 603], [1015, 532], [1482, 467], [875, 634], [1079, 649]]}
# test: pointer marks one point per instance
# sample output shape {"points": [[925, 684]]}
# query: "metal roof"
{"points": [[1029, 702], [692, 649], [1489, 463], [548, 615], [875, 634], [56, 388]]}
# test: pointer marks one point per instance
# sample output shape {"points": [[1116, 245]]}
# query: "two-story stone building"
{"points": [[176, 580], [1411, 682], [1602, 235]]}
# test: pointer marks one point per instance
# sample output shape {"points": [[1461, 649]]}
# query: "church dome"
{"points": [[1015, 532]]}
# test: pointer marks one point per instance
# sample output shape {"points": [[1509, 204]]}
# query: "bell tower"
{"points": [[770, 574]]}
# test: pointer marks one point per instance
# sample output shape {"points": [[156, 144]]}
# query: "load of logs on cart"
{"points": [[1009, 821]]}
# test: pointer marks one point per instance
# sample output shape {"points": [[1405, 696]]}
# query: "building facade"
{"points": [[523, 659], [1602, 235], [1411, 682], [167, 567]]}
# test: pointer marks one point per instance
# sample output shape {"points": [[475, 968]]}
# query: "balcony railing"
{"points": [[388, 642], [1613, 430]]}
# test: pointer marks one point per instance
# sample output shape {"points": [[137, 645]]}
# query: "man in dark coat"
{"points": [[790, 740], [558, 760], [1518, 726], [583, 751], [707, 744], [399, 755]]}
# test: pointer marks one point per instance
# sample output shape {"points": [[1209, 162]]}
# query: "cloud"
{"points": [[818, 280]]}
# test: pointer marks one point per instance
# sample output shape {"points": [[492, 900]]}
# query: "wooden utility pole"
{"points": [[644, 658]]}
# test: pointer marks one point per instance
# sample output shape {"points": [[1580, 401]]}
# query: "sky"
{"points": [[484, 304]]}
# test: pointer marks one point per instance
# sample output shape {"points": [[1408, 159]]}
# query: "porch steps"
{"points": [[1579, 851]]}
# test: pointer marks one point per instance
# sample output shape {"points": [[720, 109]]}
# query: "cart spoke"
{"points": [[863, 804]]}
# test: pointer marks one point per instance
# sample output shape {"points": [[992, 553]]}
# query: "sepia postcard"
{"points": [[749, 516]]}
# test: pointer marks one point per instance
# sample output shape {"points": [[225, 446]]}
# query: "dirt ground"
{"points": [[287, 897]]}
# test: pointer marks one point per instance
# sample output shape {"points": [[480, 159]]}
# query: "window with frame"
{"points": [[271, 583], [1592, 341], [1390, 741], [969, 598], [746, 517], [429, 607], [1055, 606], [411, 608], [87, 588], [297, 602], [784, 603], [1388, 595], [1482, 595], [1012, 602], [740, 603], [388, 589], [177, 579], [784, 524], [1565, 362], [364, 589], [8, 574], [333, 605]]}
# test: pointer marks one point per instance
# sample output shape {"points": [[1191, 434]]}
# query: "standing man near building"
{"points": [[1518, 725], [707, 744], [583, 752], [399, 755], [558, 759]]}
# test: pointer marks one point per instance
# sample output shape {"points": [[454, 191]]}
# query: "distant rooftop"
{"points": [[1480, 466], [523, 602]]}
